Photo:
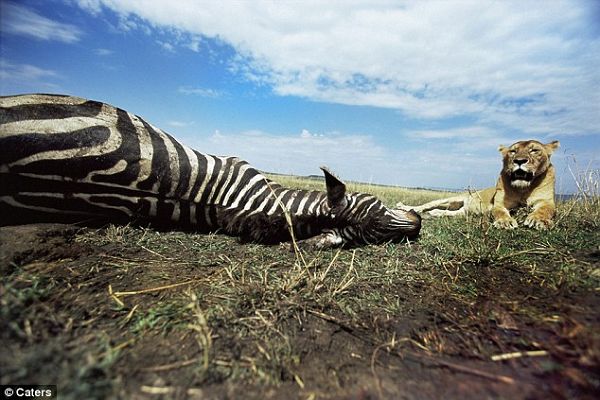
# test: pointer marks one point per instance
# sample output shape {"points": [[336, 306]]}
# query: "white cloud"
{"points": [[300, 153], [511, 69], [530, 66], [103, 52], [463, 133], [202, 92], [93, 6], [194, 44], [353, 157], [452, 161], [26, 74], [166, 46], [19, 20], [180, 124]]}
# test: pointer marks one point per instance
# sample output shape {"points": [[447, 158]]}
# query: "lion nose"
{"points": [[520, 161]]}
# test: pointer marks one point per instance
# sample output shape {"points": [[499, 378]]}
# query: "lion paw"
{"points": [[506, 223], [538, 223]]}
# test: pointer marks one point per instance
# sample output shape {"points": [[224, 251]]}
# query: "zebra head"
{"points": [[360, 218]]}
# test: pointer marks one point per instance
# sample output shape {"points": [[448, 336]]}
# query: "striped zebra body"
{"points": [[75, 160]]}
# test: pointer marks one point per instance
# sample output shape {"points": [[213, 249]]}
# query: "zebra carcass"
{"points": [[80, 161]]}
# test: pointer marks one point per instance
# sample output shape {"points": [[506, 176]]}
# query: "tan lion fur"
{"points": [[527, 179]]}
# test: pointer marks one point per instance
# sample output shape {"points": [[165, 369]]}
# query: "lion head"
{"points": [[524, 161]]}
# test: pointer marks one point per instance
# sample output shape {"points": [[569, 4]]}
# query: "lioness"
{"points": [[527, 179]]}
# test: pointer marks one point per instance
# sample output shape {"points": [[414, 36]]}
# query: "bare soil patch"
{"points": [[124, 312]]}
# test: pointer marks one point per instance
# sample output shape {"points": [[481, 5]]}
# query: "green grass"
{"points": [[204, 312]]}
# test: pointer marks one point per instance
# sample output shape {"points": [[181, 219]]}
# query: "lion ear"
{"points": [[550, 147], [503, 149]]}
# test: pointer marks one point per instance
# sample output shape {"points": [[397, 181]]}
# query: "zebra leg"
{"points": [[329, 239]]}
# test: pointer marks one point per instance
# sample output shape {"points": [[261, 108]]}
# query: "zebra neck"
{"points": [[295, 202]]}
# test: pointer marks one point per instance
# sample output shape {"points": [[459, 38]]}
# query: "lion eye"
{"points": [[534, 151], [513, 151]]}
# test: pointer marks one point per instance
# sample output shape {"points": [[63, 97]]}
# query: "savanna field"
{"points": [[466, 311]]}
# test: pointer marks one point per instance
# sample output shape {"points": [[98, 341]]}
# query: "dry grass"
{"points": [[125, 312]]}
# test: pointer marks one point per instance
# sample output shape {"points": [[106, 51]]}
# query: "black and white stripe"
{"points": [[75, 160]]}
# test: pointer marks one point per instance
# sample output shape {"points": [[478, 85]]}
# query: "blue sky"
{"points": [[415, 94]]}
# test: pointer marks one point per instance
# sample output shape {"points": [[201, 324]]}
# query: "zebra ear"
{"points": [[336, 189]]}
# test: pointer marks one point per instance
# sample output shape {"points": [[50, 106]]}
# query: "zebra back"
{"points": [[88, 159]]}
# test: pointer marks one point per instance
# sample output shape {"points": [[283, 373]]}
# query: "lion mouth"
{"points": [[521, 175]]}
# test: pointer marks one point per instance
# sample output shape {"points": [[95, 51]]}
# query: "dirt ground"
{"points": [[62, 325]]}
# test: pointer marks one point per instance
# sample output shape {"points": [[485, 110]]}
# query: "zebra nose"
{"points": [[412, 222], [415, 219], [520, 161]]}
